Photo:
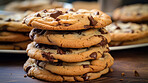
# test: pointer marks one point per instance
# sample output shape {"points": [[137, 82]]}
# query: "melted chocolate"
{"points": [[56, 14], [93, 22], [93, 55], [28, 68]]}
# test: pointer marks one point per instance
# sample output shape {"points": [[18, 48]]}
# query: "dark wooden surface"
{"points": [[126, 61]]}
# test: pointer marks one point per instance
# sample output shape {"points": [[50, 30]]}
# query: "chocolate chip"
{"points": [[93, 22], [103, 42], [48, 56], [85, 66], [66, 12], [56, 14], [8, 20], [60, 51], [71, 10], [38, 15], [138, 14], [93, 55], [118, 27], [85, 77], [66, 24], [97, 13], [1, 18], [45, 11], [28, 68], [103, 55], [102, 31], [57, 19]]}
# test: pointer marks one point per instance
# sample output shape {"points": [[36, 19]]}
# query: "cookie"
{"points": [[54, 53], [67, 19], [33, 70], [13, 37], [14, 46], [78, 68], [14, 23], [71, 39], [33, 5], [127, 31], [121, 43], [131, 13]]}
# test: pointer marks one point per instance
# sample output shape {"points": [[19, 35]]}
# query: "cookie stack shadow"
{"points": [[68, 52], [14, 34]]}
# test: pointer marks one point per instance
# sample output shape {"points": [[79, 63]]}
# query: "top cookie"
{"points": [[67, 19], [132, 13]]}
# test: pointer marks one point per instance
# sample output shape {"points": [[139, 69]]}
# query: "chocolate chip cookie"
{"points": [[78, 68], [38, 72], [137, 41], [132, 13], [67, 19], [14, 46], [13, 37], [71, 39], [127, 31], [54, 53], [14, 23]]}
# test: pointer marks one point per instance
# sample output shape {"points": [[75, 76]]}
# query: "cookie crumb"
{"points": [[136, 73], [25, 75], [10, 73], [121, 79], [32, 77], [111, 70], [123, 74]]}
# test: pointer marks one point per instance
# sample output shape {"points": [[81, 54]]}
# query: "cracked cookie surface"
{"points": [[67, 19], [54, 53], [71, 39]]}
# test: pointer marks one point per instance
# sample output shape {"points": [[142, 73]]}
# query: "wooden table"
{"points": [[126, 61]]}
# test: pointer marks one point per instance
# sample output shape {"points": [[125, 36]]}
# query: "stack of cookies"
{"points": [[68, 45], [14, 34], [132, 28]]}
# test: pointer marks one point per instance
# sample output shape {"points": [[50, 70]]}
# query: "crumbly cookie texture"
{"points": [[121, 43], [67, 19], [14, 23], [13, 37], [33, 70], [127, 31], [14, 46], [71, 39], [54, 53], [132, 13], [78, 68]]}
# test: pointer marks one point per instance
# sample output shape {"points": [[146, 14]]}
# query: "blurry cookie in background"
{"points": [[14, 46], [128, 33], [14, 22], [85, 5], [33, 5], [14, 34], [131, 13]]}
